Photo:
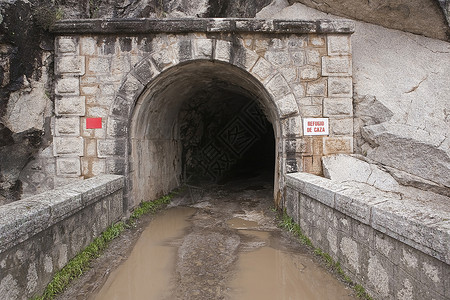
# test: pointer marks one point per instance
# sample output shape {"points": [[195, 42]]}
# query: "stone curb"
{"points": [[407, 221], [25, 218]]}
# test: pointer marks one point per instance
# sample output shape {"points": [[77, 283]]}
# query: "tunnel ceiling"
{"points": [[159, 106]]}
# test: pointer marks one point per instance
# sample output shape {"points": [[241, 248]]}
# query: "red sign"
{"points": [[315, 126], [93, 123]]}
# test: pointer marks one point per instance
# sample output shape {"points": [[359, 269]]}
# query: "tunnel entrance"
{"points": [[202, 122], [138, 76], [225, 136]]}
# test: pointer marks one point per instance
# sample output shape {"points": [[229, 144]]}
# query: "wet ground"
{"points": [[214, 242]]}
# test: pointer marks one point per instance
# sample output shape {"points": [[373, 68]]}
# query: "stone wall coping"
{"points": [[412, 222], [185, 25], [25, 218]]}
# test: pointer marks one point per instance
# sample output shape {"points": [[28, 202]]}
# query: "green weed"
{"points": [[148, 207], [361, 292], [45, 16], [288, 224]]}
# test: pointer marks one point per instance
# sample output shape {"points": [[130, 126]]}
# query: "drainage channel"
{"points": [[221, 244]]}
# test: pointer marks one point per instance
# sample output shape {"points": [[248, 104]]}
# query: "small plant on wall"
{"points": [[46, 15]]}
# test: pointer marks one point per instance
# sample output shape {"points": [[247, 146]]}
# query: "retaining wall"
{"points": [[40, 234], [397, 249]]}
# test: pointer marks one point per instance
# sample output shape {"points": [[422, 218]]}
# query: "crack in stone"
{"points": [[442, 142], [424, 46], [414, 88]]}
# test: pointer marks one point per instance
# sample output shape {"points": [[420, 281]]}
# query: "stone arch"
{"points": [[103, 68], [240, 67]]}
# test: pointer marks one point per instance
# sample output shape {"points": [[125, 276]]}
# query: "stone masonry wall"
{"points": [[397, 249], [40, 234], [305, 67]]}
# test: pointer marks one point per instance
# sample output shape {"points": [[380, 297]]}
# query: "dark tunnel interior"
{"points": [[225, 136]]}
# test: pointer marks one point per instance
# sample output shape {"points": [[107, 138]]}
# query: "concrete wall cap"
{"points": [[25, 218], [145, 25]]}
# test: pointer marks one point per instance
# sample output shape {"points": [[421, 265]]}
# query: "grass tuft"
{"points": [[361, 292], [81, 262], [148, 207], [287, 223]]}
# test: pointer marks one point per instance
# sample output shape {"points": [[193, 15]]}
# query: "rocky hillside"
{"points": [[429, 18]]}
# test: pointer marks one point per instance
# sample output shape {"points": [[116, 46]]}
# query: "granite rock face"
{"points": [[425, 17], [397, 184], [26, 65], [411, 150], [159, 8], [16, 151], [445, 5]]}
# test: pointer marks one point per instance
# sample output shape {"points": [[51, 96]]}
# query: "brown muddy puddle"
{"points": [[238, 223], [219, 251], [146, 272], [269, 273]]}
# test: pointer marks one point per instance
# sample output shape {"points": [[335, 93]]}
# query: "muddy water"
{"points": [[222, 245], [270, 273], [146, 272]]}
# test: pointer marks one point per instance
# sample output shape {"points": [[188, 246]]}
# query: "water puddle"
{"points": [[260, 234], [268, 273], [147, 272], [238, 223]]}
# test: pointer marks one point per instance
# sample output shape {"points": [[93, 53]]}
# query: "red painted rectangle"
{"points": [[93, 123]]}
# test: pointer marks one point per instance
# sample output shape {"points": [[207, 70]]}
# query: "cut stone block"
{"points": [[337, 107], [68, 86], [63, 146], [67, 126], [70, 65], [334, 145], [338, 45], [70, 106], [68, 166], [340, 87], [336, 66]]}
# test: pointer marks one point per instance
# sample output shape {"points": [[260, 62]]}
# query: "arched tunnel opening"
{"points": [[225, 136], [202, 122]]}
